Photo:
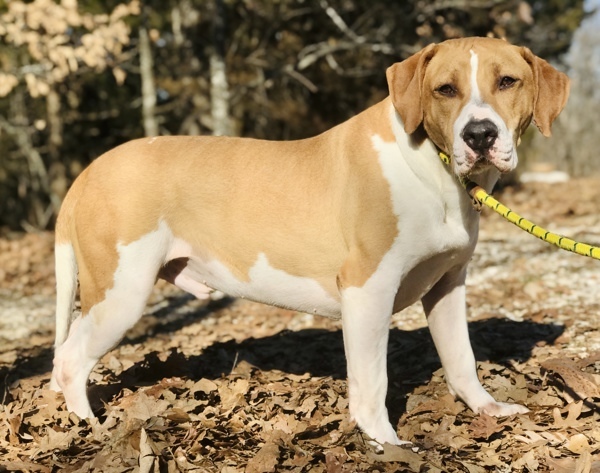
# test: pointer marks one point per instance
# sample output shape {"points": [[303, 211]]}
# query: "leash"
{"points": [[481, 197]]}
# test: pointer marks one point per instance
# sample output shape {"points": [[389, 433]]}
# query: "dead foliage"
{"points": [[234, 386]]}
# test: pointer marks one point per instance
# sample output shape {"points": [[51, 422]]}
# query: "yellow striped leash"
{"points": [[480, 196]]}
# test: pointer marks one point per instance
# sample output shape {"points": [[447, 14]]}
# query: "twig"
{"points": [[289, 70], [340, 23], [237, 355], [312, 53]]}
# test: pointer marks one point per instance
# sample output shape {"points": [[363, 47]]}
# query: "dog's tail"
{"points": [[66, 268], [66, 287]]}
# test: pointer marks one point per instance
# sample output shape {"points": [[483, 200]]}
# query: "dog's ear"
{"points": [[552, 91], [405, 81]]}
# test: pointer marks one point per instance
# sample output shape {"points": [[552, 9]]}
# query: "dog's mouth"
{"points": [[482, 164], [490, 159], [468, 162]]}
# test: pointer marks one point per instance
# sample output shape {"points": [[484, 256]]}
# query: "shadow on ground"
{"points": [[411, 361], [30, 361]]}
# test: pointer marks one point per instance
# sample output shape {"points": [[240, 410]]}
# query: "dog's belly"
{"points": [[264, 284]]}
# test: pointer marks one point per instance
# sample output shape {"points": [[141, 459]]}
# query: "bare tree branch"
{"points": [[339, 22], [289, 70], [312, 53], [147, 77]]}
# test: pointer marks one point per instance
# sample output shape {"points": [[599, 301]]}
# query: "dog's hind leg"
{"points": [[119, 302]]}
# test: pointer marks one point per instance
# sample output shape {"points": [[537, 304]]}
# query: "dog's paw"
{"points": [[502, 409], [390, 448], [378, 435], [378, 443]]}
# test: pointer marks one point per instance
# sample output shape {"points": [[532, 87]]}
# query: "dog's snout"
{"points": [[480, 134]]}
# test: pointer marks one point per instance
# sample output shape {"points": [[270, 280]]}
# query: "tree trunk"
{"points": [[148, 87], [57, 174], [219, 87]]}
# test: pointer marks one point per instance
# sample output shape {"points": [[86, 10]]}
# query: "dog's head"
{"points": [[475, 97]]}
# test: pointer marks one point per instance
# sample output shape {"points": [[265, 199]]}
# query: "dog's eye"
{"points": [[447, 90], [506, 82]]}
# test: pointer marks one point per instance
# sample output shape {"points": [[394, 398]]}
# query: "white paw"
{"points": [[502, 409], [380, 446], [380, 433]]}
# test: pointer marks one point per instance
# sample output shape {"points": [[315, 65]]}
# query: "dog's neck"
{"points": [[486, 179]]}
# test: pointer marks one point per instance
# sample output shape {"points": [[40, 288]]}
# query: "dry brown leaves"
{"points": [[237, 386], [45, 28]]}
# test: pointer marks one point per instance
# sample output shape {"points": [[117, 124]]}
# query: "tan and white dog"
{"points": [[358, 222]]}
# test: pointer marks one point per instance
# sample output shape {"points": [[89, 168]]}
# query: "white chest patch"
{"points": [[432, 237]]}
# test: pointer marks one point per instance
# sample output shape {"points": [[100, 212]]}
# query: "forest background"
{"points": [[80, 77]]}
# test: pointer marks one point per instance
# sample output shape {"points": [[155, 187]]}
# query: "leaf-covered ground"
{"points": [[235, 386]]}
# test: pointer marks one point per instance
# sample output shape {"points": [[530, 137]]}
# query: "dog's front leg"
{"points": [[365, 320], [445, 307]]}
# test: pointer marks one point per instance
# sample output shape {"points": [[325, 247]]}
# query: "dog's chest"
{"points": [[437, 228], [428, 246]]}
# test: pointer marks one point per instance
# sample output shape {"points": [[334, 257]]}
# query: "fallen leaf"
{"points": [[397, 453], [232, 394], [484, 426], [25, 466], [141, 406], [580, 382], [147, 459], [265, 460], [54, 440], [578, 443], [573, 413], [473, 468], [447, 434], [527, 461], [177, 415], [204, 385], [14, 424], [531, 437], [544, 399], [335, 459], [583, 464]]}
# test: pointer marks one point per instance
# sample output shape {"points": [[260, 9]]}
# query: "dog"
{"points": [[358, 222]]}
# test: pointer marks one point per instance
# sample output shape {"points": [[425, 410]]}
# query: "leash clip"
{"points": [[471, 189], [476, 204]]}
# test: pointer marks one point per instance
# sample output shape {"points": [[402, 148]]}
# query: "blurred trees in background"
{"points": [[79, 77], [50, 55], [573, 148]]}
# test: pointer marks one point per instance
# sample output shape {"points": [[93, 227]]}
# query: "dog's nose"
{"points": [[480, 134]]}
